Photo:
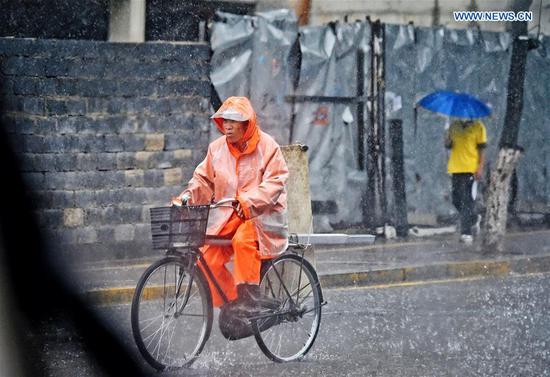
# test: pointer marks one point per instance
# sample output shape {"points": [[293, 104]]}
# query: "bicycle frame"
{"points": [[198, 259], [214, 240]]}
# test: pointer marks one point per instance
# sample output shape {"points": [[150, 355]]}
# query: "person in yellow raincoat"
{"points": [[247, 164]]}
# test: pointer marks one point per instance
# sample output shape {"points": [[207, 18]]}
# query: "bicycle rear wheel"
{"points": [[171, 313], [288, 333]]}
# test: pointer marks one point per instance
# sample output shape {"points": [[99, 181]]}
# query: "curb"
{"points": [[440, 271]]}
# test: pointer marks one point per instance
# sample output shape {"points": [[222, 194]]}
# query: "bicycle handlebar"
{"points": [[222, 203]]}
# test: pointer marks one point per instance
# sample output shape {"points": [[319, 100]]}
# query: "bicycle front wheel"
{"points": [[288, 332], [171, 313]]}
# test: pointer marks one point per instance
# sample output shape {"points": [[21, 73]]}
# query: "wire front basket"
{"points": [[178, 227]]}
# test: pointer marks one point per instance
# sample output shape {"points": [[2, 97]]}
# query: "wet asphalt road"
{"points": [[487, 327]]}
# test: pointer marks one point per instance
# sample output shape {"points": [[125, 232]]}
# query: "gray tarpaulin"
{"points": [[534, 135], [329, 68], [252, 57], [422, 60]]}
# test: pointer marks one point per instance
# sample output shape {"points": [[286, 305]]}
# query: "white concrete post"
{"points": [[127, 21]]}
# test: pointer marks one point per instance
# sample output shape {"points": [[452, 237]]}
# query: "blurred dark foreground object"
{"points": [[34, 295]]}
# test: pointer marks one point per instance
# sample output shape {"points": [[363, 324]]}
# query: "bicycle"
{"points": [[172, 312]]}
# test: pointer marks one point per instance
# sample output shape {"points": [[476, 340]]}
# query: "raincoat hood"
{"points": [[240, 109]]}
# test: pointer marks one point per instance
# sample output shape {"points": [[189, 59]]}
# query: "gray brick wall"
{"points": [[104, 131]]}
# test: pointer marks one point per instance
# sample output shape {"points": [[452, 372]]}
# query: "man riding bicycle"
{"points": [[247, 164]]}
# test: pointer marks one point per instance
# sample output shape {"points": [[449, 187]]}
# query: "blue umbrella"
{"points": [[460, 105]]}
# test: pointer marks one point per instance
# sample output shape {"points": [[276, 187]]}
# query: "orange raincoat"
{"points": [[257, 177]]}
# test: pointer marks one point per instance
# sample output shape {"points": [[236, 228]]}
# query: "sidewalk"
{"points": [[437, 258]]}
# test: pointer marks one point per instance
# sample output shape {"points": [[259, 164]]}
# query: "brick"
{"points": [[39, 199], [160, 196], [89, 143], [183, 87], [73, 217], [172, 123], [67, 87], [142, 159], [82, 180], [136, 88], [154, 142], [63, 236], [154, 178], [155, 106], [107, 161], [32, 105], [113, 143], [61, 107], [25, 86], [85, 198], [125, 160], [66, 162], [123, 125], [188, 104], [85, 69], [172, 176], [130, 214], [21, 124], [136, 195], [86, 161], [105, 234], [56, 67], [133, 178], [124, 232], [91, 125], [86, 235], [97, 105], [47, 87], [35, 144], [23, 66], [133, 142], [44, 125], [60, 180], [106, 179], [95, 216], [113, 214], [182, 154], [96, 87], [34, 180], [185, 139], [110, 196], [120, 106], [62, 199], [6, 85], [143, 232], [145, 213], [10, 103], [55, 107], [28, 162], [41, 162], [50, 218], [68, 124]]}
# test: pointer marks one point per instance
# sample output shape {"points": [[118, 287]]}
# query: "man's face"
{"points": [[234, 129]]}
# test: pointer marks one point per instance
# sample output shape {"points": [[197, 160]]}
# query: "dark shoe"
{"points": [[249, 294], [466, 239]]}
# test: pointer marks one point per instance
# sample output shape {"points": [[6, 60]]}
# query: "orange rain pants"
{"points": [[247, 261]]}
